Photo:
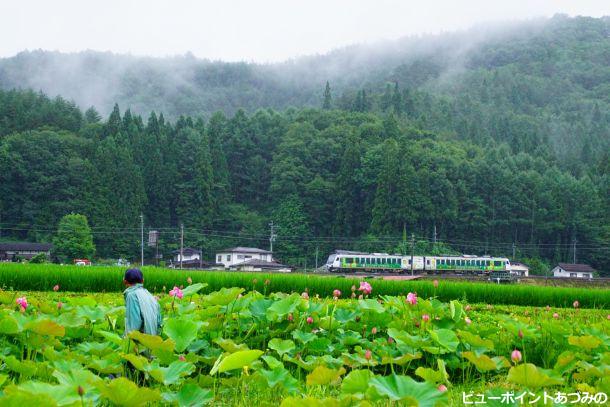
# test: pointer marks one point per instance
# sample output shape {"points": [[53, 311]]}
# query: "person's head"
{"points": [[133, 276]]}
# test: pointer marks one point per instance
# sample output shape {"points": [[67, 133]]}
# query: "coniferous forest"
{"points": [[497, 146]]}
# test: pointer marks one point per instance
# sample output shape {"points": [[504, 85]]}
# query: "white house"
{"points": [[519, 269], [235, 255], [573, 270]]}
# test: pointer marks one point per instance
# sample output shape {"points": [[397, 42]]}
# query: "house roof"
{"points": [[240, 249], [261, 264], [23, 246], [576, 267], [187, 251]]}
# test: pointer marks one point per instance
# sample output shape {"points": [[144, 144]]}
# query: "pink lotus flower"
{"points": [[576, 304], [442, 388], [468, 321], [374, 330], [365, 288], [515, 356], [435, 283], [22, 302], [176, 292], [310, 320], [305, 295], [412, 298], [608, 317], [425, 317], [56, 287], [368, 354], [59, 305], [336, 293], [555, 315], [189, 280]]}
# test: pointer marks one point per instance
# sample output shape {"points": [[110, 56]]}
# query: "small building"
{"points": [[190, 258], [519, 269], [24, 250], [236, 255], [573, 270], [261, 265]]}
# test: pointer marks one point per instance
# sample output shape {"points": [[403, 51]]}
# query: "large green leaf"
{"points": [[483, 363], [153, 342], [46, 327], [356, 382], [587, 342], [280, 309], [281, 346], [282, 377], [398, 388], [223, 296], [236, 360], [182, 331], [322, 375], [446, 338], [9, 325], [124, 392], [370, 304], [173, 373], [193, 289], [532, 377]]}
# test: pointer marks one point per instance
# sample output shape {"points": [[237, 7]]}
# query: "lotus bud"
{"points": [[374, 330], [368, 354], [56, 287], [515, 356], [290, 318], [576, 304], [189, 280], [468, 321], [80, 390], [310, 320], [425, 317], [442, 388], [435, 283], [555, 315], [520, 334]]}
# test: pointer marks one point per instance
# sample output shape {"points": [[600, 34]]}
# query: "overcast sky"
{"points": [[250, 30]]}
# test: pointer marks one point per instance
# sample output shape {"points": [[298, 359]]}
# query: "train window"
{"points": [[427, 261], [349, 260], [497, 263], [487, 262]]}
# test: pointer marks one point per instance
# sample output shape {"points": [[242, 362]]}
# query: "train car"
{"points": [[349, 261], [467, 264]]}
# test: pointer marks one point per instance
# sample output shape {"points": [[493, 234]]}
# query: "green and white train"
{"points": [[349, 261]]}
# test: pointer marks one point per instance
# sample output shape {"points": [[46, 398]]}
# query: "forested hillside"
{"points": [[328, 178], [541, 86]]}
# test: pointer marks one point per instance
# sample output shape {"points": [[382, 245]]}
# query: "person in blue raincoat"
{"points": [[142, 311]]}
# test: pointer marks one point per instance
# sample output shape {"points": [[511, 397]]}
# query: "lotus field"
{"points": [[250, 347]]}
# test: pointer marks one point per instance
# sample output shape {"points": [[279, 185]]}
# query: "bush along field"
{"points": [[39, 277], [352, 348]]}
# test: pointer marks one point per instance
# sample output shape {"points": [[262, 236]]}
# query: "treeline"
{"points": [[539, 86], [327, 178]]}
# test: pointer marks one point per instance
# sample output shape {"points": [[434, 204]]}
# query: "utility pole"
{"points": [[513, 251], [316, 257], [142, 240], [574, 251], [181, 243], [272, 236], [201, 258], [434, 235], [412, 250]]}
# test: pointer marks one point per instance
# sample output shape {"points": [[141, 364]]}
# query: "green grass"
{"points": [[42, 277]]}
